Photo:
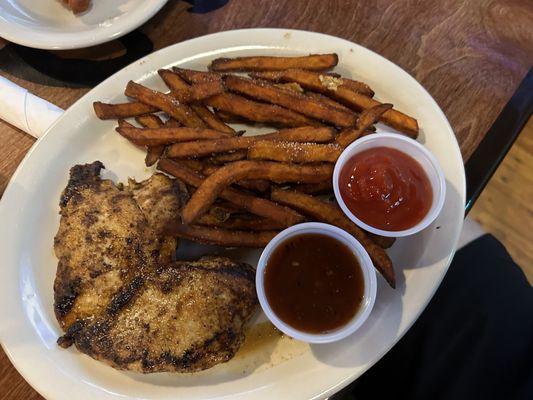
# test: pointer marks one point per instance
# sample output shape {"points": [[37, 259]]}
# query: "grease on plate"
{"points": [[264, 348]]}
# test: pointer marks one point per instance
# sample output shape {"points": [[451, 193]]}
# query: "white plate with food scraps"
{"points": [[271, 366], [49, 24]]}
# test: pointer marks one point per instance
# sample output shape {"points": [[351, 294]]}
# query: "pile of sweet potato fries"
{"points": [[245, 189]]}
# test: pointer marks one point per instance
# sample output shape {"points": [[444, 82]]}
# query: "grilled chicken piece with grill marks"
{"points": [[104, 242], [185, 317], [160, 198]]}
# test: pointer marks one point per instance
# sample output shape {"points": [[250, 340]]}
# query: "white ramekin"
{"points": [[367, 268], [410, 147]]}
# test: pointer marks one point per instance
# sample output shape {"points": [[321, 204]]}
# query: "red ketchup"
{"points": [[386, 188]]}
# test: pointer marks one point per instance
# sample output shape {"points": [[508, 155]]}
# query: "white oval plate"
{"points": [[29, 215], [48, 24]]}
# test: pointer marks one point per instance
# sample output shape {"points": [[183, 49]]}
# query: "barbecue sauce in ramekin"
{"points": [[314, 283]]}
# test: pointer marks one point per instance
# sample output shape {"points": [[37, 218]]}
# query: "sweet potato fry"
{"points": [[218, 214], [122, 110], [173, 80], [193, 164], [198, 92], [211, 120], [347, 136], [240, 223], [230, 118], [327, 101], [302, 134], [213, 185], [125, 124], [193, 76], [221, 211], [205, 148], [357, 86], [370, 116], [224, 158], [225, 207], [264, 91], [294, 152], [209, 169], [333, 215], [219, 237], [153, 153], [186, 93], [166, 103], [172, 123], [359, 102], [162, 136], [329, 86], [382, 241], [257, 185], [149, 121], [316, 62], [291, 86], [296, 88], [176, 84], [366, 119], [258, 112], [255, 205], [327, 187], [315, 188], [308, 80]]}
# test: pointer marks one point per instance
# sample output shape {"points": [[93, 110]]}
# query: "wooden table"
{"points": [[470, 55]]}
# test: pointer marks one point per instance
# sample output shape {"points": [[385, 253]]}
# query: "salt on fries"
{"points": [[235, 180]]}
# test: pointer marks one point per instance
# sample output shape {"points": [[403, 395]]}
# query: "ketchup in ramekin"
{"points": [[385, 188]]}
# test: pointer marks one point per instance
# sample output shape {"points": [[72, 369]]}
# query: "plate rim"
{"points": [[19, 34], [343, 383]]}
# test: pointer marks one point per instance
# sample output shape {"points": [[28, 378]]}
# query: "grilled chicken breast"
{"points": [[119, 296], [104, 241], [159, 198], [185, 317]]}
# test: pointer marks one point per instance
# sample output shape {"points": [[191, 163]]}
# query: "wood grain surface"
{"points": [[470, 55], [512, 185]]}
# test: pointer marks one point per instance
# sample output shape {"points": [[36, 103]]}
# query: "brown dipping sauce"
{"points": [[314, 283], [386, 188]]}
